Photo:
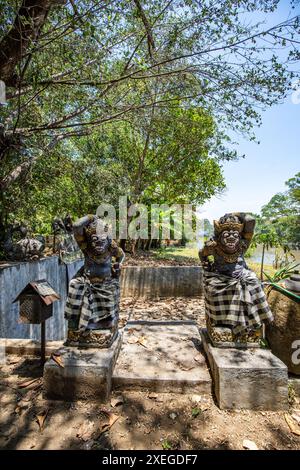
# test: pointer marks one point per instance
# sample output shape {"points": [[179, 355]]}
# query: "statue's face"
{"points": [[99, 243], [57, 226], [230, 240]]}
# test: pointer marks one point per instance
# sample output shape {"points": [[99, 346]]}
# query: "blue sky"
{"points": [[252, 181]]}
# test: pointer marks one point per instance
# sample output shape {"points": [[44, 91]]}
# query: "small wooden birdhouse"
{"points": [[36, 302]]}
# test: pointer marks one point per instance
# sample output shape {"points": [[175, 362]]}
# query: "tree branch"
{"points": [[29, 20]]}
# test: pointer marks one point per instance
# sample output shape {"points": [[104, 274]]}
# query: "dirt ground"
{"points": [[133, 420], [165, 308]]}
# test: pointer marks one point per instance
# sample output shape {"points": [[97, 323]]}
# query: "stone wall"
{"points": [[135, 281], [14, 277], [161, 281]]}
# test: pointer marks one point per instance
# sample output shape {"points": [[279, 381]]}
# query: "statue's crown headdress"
{"points": [[228, 223], [98, 227]]}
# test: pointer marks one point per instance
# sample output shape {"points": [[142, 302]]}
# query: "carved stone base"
{"points": [[223, 337], [91, 338]]}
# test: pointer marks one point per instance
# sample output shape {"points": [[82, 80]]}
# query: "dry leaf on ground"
{"points": [[109, 420], [122, 322], [186, 367], [156, 396], [132, 340], [249, 445], [296, 417], [198, 358], [27, 383], [196, 398], [116, 401], [294, 428], [41, 417], [85, 430], [142, 341], [57, 358]]}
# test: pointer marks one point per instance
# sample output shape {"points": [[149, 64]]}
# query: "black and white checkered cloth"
{"points": [[92, 302], [239, 303]]}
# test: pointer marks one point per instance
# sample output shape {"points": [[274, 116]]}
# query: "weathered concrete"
{"points": [[167, 358], [161, 281], [86, 374], [249, 379], [14, 277], [28, 347]]}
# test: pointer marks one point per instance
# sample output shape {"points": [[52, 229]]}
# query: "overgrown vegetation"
{"points": [[279, 225]]}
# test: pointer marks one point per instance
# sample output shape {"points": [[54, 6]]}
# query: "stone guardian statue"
{"points": [[235, 303], [92, 307]]}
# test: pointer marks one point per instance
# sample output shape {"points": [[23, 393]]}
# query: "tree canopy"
{"points": [[283, 213], [133, 96]]}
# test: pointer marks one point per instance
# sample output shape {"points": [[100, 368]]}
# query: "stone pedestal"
{"points": [[223, 337], [162, 356], [247, 378], [87, 373], [88, 339]]}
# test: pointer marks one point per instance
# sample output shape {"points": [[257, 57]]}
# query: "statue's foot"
{"points": [[223, 336], [97, 334], [106, 324]]}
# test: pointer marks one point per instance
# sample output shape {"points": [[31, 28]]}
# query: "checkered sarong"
{"points": [[93, 302], [239, 303]]}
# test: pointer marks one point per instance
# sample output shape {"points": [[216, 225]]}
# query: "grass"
{"points": [[256, 268], [177, 253], [190, 252]]}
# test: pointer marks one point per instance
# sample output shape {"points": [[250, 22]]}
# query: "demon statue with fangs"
{"points": [[92, 307], [235, 303]]}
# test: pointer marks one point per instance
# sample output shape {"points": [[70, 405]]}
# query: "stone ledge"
{"points": [[161, 281], [28, 347], [247, 379]]}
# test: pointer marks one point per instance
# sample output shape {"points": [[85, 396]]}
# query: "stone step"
{"points": [[163, 357]]}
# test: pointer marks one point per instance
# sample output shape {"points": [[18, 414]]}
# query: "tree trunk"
{"points": [[262, 262], [123, 244], [148, 244], [16, 173], [29, 20]]}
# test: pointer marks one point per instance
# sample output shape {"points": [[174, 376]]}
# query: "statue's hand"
{"points": [[116, 270], [206, 264]]}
